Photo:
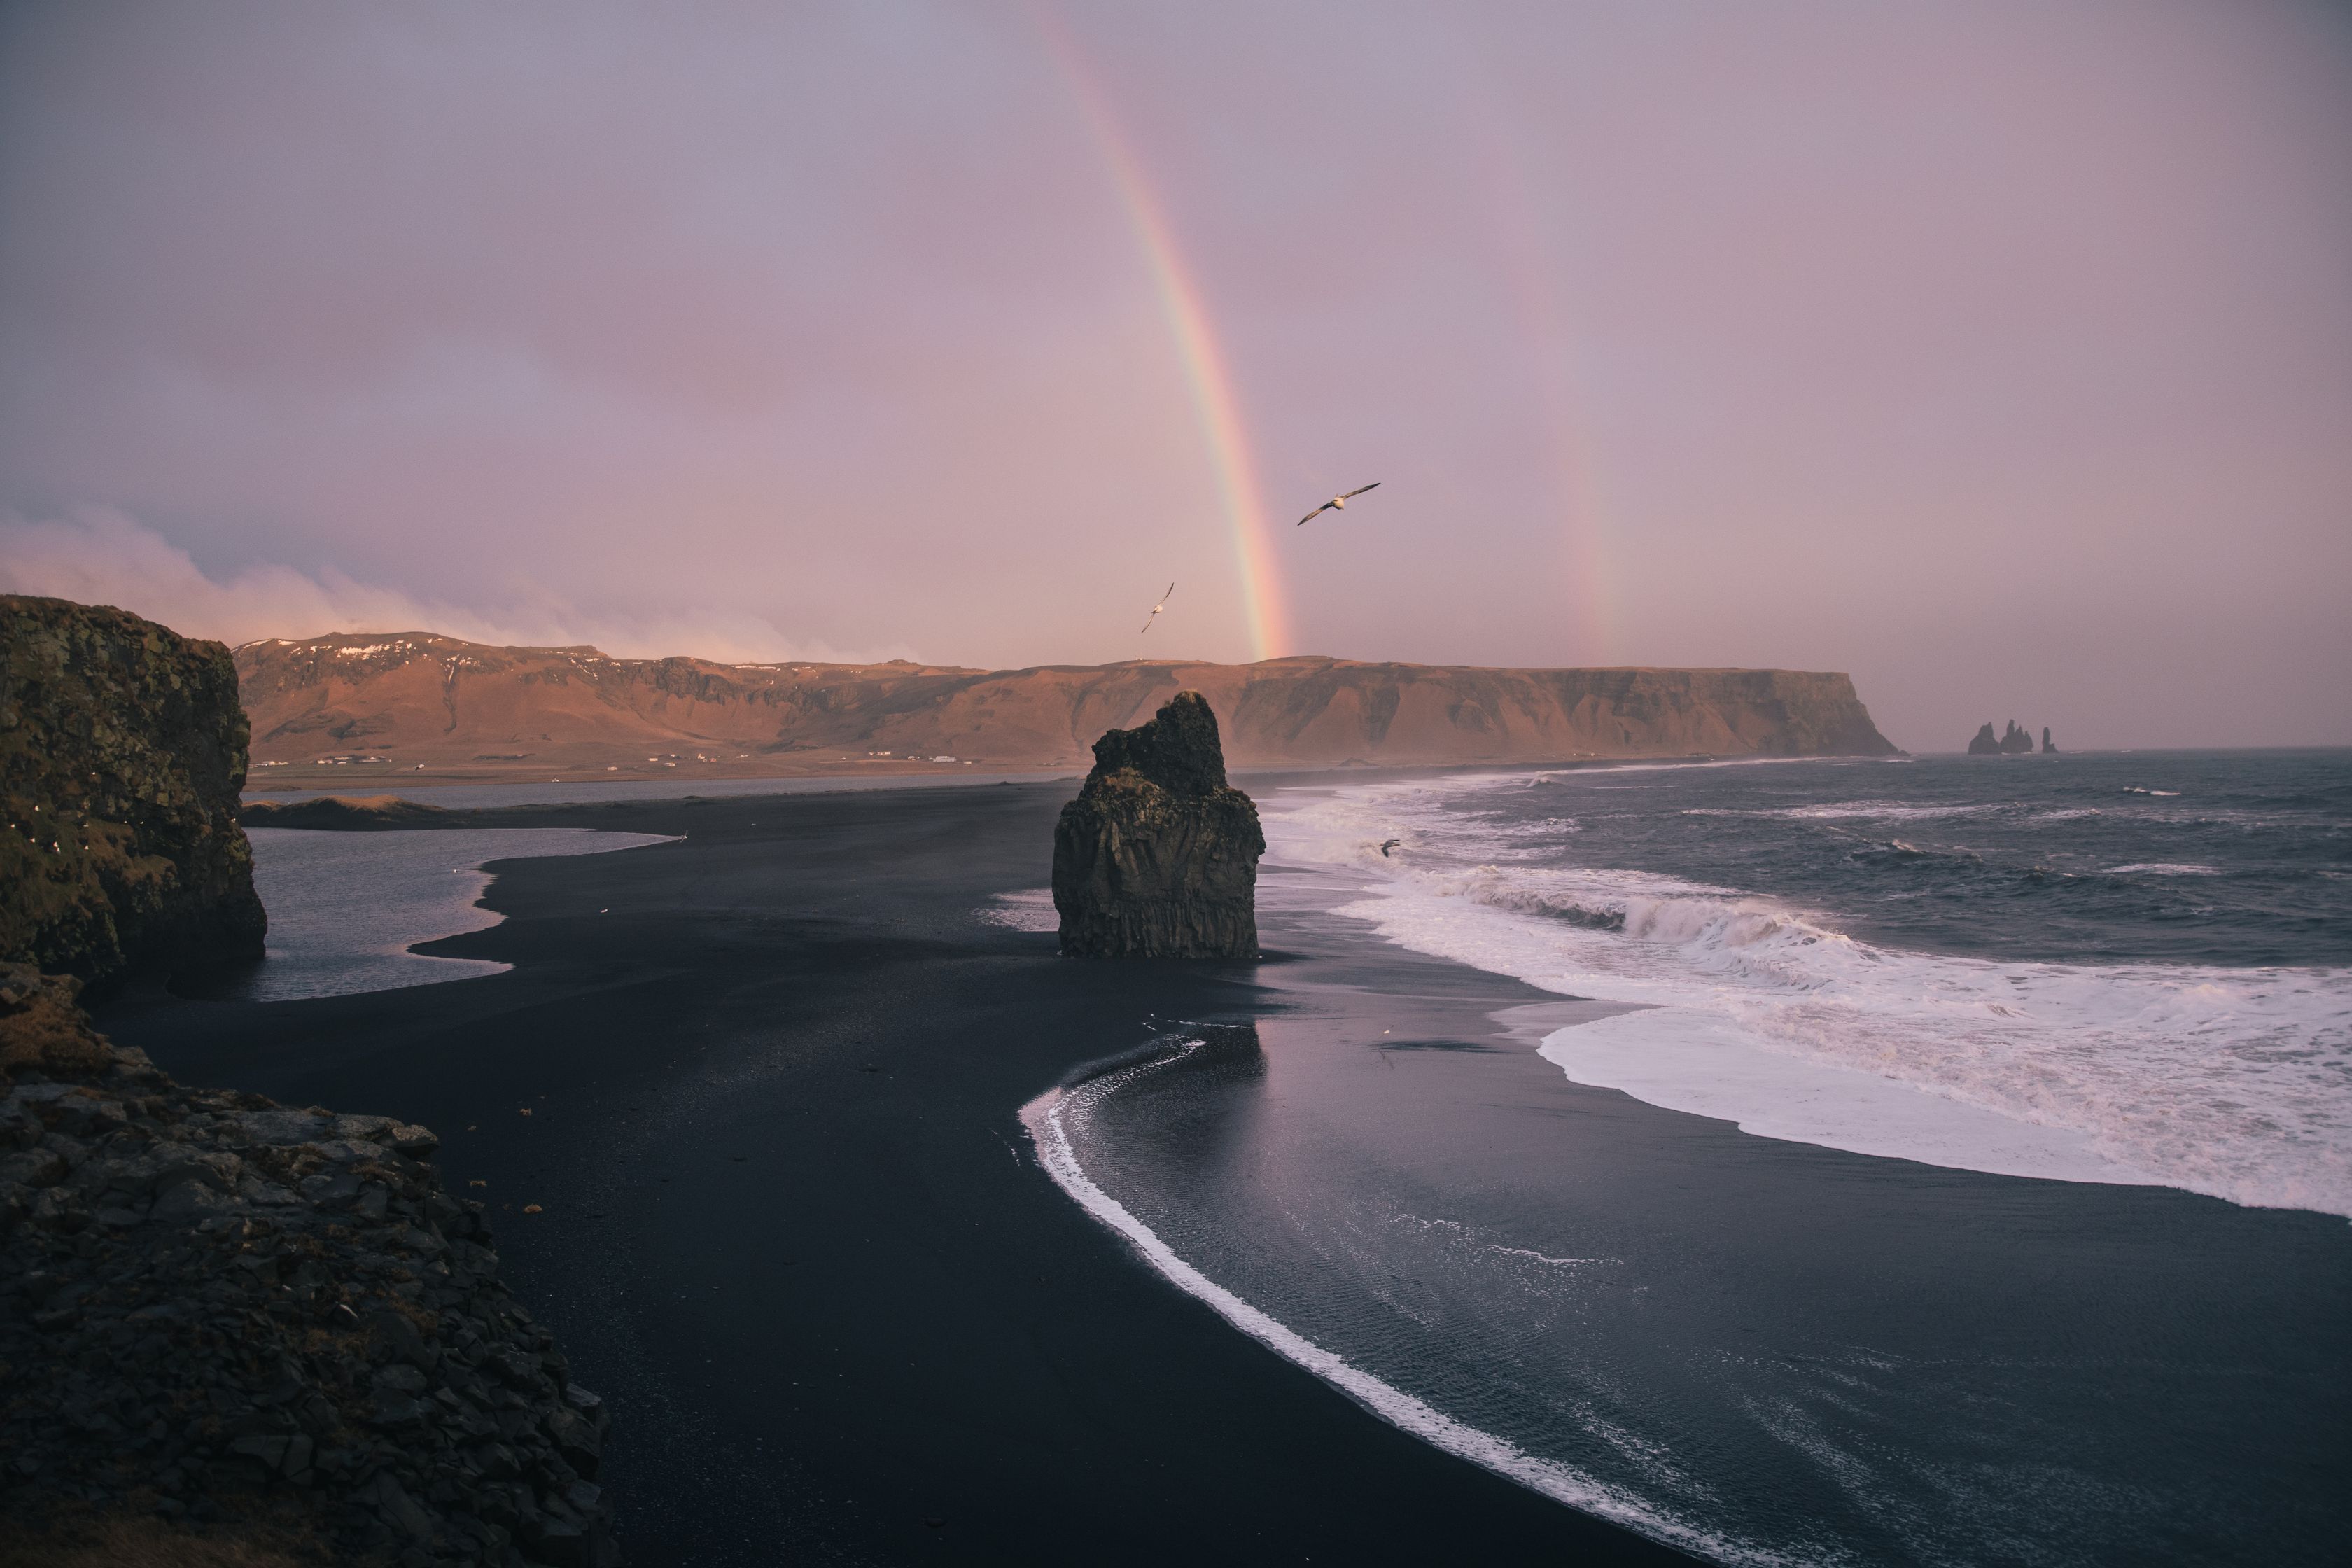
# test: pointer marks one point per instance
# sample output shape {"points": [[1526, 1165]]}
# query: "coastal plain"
{"points": [[763, 1086]]}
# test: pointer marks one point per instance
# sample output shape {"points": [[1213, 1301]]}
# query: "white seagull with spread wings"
{"points": [[1337, 503], [1158, 608]]}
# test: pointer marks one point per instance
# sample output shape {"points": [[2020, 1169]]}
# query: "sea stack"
{"points": [[2012, 743], [1157, 857], [121, 755], [2047, 749]]}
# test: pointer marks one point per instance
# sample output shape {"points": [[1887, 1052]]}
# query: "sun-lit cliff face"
{"points": [[414, 703]]}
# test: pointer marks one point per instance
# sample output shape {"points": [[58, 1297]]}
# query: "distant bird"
{"points": [[1337, 503], [1388, 846], [1158, 608]]}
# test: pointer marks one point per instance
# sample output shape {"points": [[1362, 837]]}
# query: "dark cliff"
{"points": [[220, 1316], [1157, 857], [122, 750], [222, 1320]]}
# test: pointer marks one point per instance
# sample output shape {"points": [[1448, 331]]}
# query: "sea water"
{"points": [[1819, 1317], [2115, 967]]}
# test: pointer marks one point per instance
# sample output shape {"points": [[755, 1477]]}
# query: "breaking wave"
{"points": [[2235, 1082]]}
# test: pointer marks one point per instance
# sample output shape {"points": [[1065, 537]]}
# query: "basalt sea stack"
{"points": [[2013, 742], [122, 754], [1158, 856]]}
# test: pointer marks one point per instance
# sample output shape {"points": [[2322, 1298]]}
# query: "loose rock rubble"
{"points": [[215, 1307]]}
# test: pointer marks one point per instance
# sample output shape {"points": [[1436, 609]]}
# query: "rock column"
{"points": [[1157, 857]]}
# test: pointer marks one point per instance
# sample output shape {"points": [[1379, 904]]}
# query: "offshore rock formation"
{"points": [[122, 748], [347, 814], [1157, 857], [373, 704], [2014, 742], [218, 1311], [2047, 749]]}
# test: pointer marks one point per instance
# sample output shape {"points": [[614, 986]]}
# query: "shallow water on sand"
{"points": [[345, 908]]}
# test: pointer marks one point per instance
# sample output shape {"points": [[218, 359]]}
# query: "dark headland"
{"points": [[229, 1330], [792, 1230]]}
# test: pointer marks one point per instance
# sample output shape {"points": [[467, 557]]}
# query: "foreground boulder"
{"points": [[225, 1317], [123, 749], [1158, 856]]}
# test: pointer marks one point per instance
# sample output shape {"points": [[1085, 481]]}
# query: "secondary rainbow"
{"points": [[1532, 271], [1207, 379]]}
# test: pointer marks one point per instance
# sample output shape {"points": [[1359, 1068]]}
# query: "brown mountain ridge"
{"points": [[411, 702]]}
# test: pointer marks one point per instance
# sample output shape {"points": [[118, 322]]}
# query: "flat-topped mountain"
{"points": [[413, 702]]}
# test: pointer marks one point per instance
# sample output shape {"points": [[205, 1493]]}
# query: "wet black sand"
{"points": [[1840, 1357], [793, 1230]]}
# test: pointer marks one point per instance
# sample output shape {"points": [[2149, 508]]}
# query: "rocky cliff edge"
{"points": [[122, 750], [235, 1320]]}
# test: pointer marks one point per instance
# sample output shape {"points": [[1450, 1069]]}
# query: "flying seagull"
{"points": [[1388, 846], [1158, 608], [1338, 503]]}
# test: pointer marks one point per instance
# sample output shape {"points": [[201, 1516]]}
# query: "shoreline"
{"points": [[775, 1101], [485, 783], [787, 1222], [1935, 1333], [1382, 1400]]}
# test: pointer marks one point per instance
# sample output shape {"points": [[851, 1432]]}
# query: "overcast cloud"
{"points": [[2001, 354]]}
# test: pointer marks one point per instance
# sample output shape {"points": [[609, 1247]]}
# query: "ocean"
{"points": [[1935, 1159]]}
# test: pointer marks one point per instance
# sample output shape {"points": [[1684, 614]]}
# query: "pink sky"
{"points": [[1999, 353]]}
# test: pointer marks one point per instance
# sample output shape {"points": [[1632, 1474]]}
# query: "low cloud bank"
{"points": [[98, 556]]}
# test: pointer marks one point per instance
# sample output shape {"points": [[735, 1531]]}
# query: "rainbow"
{"points": [[1207, 379]]}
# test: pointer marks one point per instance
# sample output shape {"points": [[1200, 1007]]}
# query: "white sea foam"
{"points": [[1049, 1118], [1864, 810], [2164, 869], [1030, 909], [1530, 1252], [2235, 1082]]}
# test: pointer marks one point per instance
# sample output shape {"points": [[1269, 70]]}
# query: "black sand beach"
{"points": [[792, 1231]]}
